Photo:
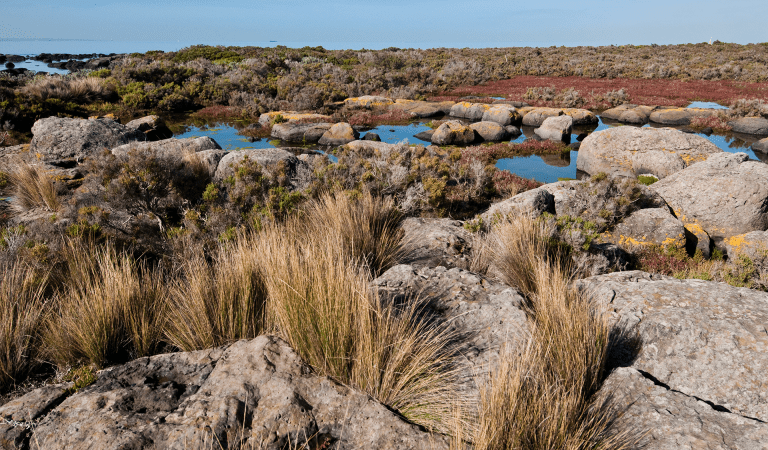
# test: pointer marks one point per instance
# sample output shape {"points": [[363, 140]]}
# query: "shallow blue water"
{"points": [[224, 134], [38, 66], [393, 134], [712, 105]]}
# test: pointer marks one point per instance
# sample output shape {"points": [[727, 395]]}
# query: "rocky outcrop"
{"points": [[556, 129], [502, 114], [56, 138], [679, 116], [490, 131], [422, 109], [251, 394], [534, 201], [153, 127], [169, 147], [535, 117], [299, 132], [652, 226], [630, 151], [453, 133], [339, 134], [436, 242], [368, 102], [663, 418], [749, 249], [470, 111], [629, 113], [271, 160], [750, 125], [382, 148], [760, 146], [574, 197], [581, 117], [725, 195], [700, 338], [292, 116]]}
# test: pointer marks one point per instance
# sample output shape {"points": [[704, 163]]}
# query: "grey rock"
{"points": [[514, 103], [535, 117], [490, 131], [761, 146], [35, 404], [211, 159], [453, 133], [270, 159], [631, 151], [513, 131], [615, 113], [633, 117], [425, 135], [581, 117], [422, 109], [750, 125], [471, 111], [600, 259], [381, 148], [61, 138], [725, 195], [339, 134], [574, 197], [752, 245], [251, 394], [557, 128], [299, 132], [437, 242], [534, 201], [679, 116], [169, 147], [652, 226], [502, 114], [371, 136], [701, 338], [153, 127], [664, 419]]}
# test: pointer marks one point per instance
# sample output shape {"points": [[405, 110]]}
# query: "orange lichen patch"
{"points": [[293, 116], [621, 240], [579, 114], [368, 101], [737, 243]]}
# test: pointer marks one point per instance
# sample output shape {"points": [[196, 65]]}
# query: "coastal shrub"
{"points": [[79, 90], [717, 122], [217, 55], [22, 312]]}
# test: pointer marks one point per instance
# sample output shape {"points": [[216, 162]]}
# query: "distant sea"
{"points": [[30, 47]]}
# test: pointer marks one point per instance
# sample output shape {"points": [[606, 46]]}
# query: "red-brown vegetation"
{"points": [[489, 154]]}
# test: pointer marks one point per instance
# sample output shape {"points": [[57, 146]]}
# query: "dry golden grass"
{"points": [[21, 318], [79, 90], [111, 310], [219, 302], [31, 187]]}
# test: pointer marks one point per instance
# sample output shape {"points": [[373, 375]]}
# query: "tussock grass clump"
{"points": [[111, 310], [81, 90], [21, 317], [31, 187], [218, 302]]}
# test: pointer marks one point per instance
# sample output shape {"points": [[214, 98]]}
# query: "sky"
{"points": [[405, 23]]}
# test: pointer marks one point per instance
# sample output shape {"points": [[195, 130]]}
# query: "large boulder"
{"points": [[629, 113], [534, 202], [436, 242], [422, 109], [645, 227], [581, 117], [292, 116], [502, 114], [630, 151], [339, 134], [725, 195], [557, 128], [382, 148], [666, 419], [368, 102], [471, 111], [169, 147], [271, 160], [750, 125], [453, 133], [56, 138], [752, 246], [703, 339], [534, 117], [308, 133], [760, 146], [153, 127], [250, 394], [679, 116], [490, 131]]}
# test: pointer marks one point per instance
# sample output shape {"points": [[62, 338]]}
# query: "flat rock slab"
{"points": [[665, 419], [761, 146], [646, 227], [251, 394], [750, 125], [631, 151], [368, 102], [725, 195], [437, 242], [701, 338], [679, 116], [56, 138], [270, 160], [533, 202], [308, 133], [169, 147], [292, 116]]}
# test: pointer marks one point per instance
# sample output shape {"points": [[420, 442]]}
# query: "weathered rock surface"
{"points": [[152, 126], [425, 135], [502, 114], [489, 314], [339, 134], [534, 201], [629, 113], [679, 116], [652, 226], [169, 147], [490, 131], [581, 117], [383, 148], [761, 146], [437, 242], [453, 133], [422, 109], [251, 394], [666, 419], [292, 116], [572, 198], [557, 128], [750, 125], [299, 132], [210, 159], [701, 338], [725, 195], [534, 117], [471, 111], [371, 136], [752, 245], [368, 102], [58, 138], [630, 151], [270, 159]]}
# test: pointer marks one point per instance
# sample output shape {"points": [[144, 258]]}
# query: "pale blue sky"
{"points": [[389, 22]]}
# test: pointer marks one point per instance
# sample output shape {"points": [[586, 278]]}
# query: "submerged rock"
{"points": [[308, 133]]}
